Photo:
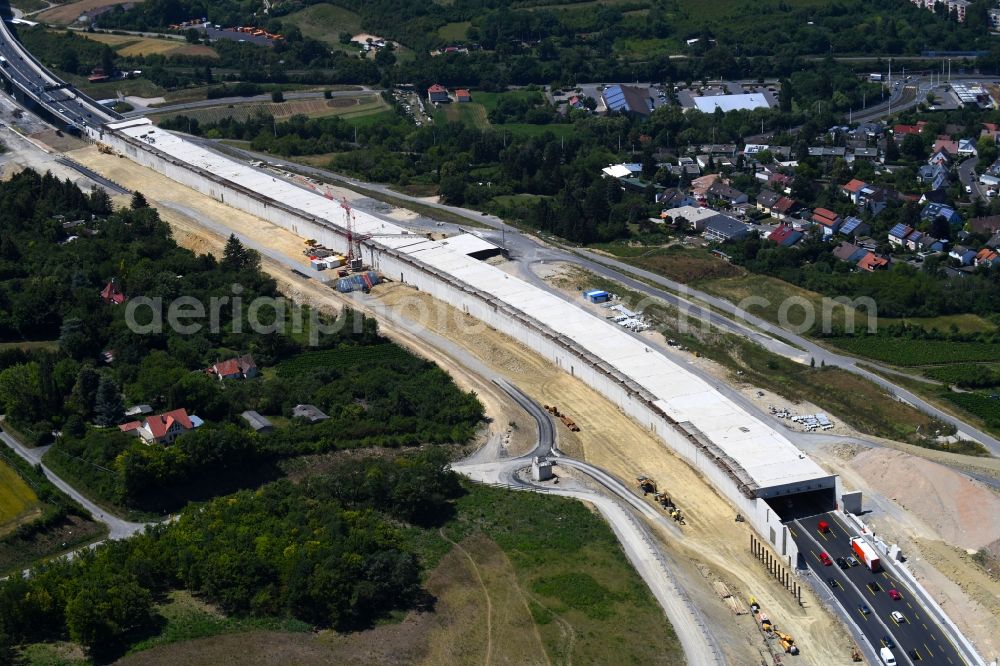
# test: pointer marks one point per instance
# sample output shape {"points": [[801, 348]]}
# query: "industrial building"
{"points": [[756, 467], [726, 103]]}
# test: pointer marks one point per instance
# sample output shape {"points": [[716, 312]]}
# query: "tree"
{"points": [[234, 256], [109, 406], [785, 96], [277, 96], [913, 147], [85, 391], [105, 610], [108, 60], [891, 150], [139, 201]]}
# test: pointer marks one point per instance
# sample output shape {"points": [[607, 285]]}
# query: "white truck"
{"points": [[887, 658]]}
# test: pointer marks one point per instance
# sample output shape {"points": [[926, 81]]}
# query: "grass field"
{"points": [[349, 108], [18, 502], [69, 12], [325, 23], [683, 264], [963, 323], [132, 46], [470, 114], [454, 32]]}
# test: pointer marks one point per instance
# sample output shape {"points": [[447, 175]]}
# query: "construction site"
{"points": [[717, 473]]}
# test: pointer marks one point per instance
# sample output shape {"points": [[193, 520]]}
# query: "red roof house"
{"points": [[241, 367], [871, 262], [463, 95], [112, 293], [437, 93], [162, 428]]}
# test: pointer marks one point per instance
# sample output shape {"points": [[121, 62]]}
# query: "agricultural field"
{"points": [[677, 262], [960, 323], [983, 405], [966, 375], [471, 114], [131, 45], [909, 352], [346, 107], [70, 12], [18, 502]]}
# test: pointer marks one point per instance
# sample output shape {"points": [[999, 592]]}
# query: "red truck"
{"points": [[866, 553]]}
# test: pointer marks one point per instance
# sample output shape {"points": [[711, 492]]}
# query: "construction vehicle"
{"points": [[646, 485], [787, 642], [105, 149], [765, 622], [866, 553], [676, 514], [754, 606], [664, 501], [570, 423]]}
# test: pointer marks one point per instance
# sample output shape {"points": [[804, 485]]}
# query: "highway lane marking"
{"points": [[929, 653], [925, 625], [894, 621], [862, 615]]}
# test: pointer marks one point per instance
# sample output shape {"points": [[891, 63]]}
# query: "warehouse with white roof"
{"points": [[755, 466]]}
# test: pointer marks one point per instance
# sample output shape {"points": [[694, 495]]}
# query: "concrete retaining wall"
{"points": [[634, 401]]}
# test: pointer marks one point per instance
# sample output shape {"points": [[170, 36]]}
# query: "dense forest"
{"points": [[60, 248], [328, 551]]}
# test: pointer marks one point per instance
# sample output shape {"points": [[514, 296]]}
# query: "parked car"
{"points": [[895, 595]]}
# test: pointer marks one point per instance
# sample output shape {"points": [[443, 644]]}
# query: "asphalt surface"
{"points": [[918, 639], [118, 528], [60, 99], [967, 176]]}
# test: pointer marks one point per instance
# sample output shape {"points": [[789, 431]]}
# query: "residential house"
{"points": [[933, 175], [162, 428], [674, 198], [928, 244], [784, 208], [866, 154], [766, 200], [898, 234], [912, 242], [967, 148], [987, 257], [241, 367], [946, 144], [942, 157], [112, 293], [899, 132], [728, 149], [138, 410], [700, 186], [932, 211], [849, 252], [696, 217], [576, 102], [828, 220], [724, 228], [871, 262], [785, 236], [722, 191], [874, 199], [463, 95], [994, 242], [963, 255], [257, 422], [827, 153], [854, 227], [622, 170], [851, 189], [781, 182], [437, 93], [938, 196], [311, 413]]}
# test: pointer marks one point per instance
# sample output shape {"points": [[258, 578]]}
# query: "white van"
{"points": [[887, 657]]}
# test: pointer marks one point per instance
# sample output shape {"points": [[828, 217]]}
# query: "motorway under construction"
{"points": [[756, 467]]}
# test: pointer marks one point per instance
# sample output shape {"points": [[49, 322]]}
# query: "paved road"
{"points": [[918, 639], [118, 528], [620, 511], [110, 185], [967, 176]]}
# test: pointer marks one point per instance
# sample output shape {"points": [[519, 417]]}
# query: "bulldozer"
{"points": [[646, 485]]}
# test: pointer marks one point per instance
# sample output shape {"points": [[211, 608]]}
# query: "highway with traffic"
{"points": [[64, 102], [868, 598]]}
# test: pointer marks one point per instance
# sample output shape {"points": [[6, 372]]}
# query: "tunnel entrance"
{"points": [[801, 505]]}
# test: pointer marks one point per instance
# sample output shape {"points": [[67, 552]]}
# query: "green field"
{"points": [[907, 352], [454, 32], [325, 23], [963, 323], [983, 405], [345, 107], [18, 502]]}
